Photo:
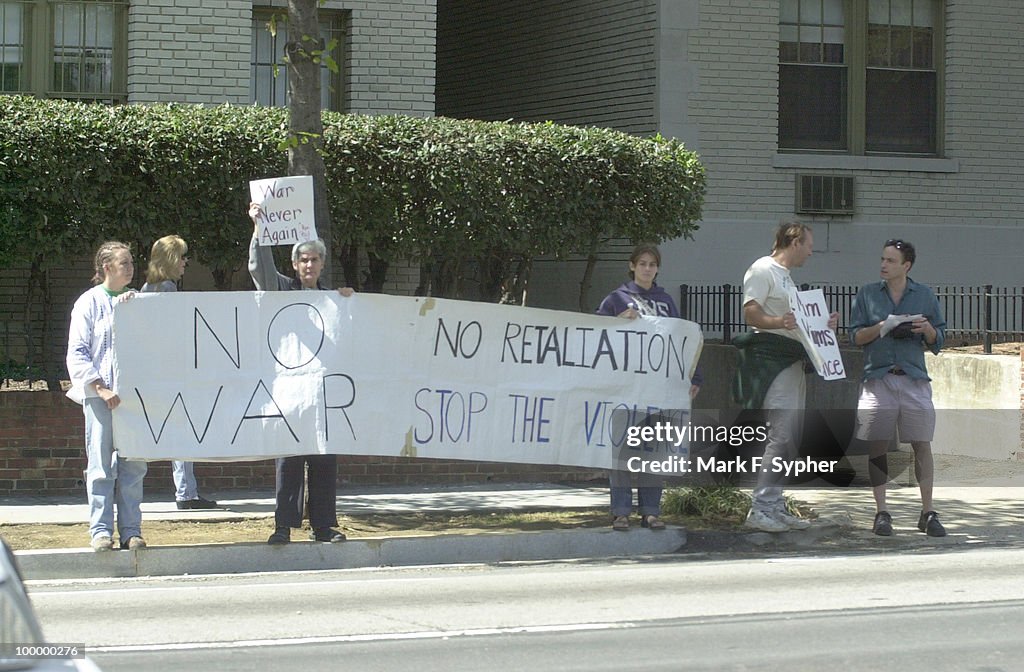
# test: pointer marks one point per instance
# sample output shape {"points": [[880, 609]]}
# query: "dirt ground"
{"points": [[173, 533]]}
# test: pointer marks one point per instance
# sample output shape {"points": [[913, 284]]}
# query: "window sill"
{"points": [[846, 162]]}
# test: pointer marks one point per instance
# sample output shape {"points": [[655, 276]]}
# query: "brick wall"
{"points": [[42, 453], [40, 444], [391, 56], [189, 51], [192, 51], [49, 328]]}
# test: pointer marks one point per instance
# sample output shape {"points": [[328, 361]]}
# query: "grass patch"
{"points": [[719, 501], [713, 505]]}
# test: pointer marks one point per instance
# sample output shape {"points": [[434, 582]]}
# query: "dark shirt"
{"points": [[653, 301], [761, 357], [872, 305]]}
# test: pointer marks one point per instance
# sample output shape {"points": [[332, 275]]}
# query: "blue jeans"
{"points": [[185, 487], [648, 493], [109, 479]]}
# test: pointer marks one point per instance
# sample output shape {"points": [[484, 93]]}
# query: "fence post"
{"points": [[726, 313], [684, 301], [987, 319]]}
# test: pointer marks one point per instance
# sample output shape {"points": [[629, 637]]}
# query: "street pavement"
{"points": [[980, 506], [915, 612]]}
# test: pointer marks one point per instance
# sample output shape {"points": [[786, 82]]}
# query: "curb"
{"points": [[77, 563]]}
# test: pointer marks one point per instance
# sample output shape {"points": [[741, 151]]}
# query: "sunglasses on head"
{"points": [[895, 242]]}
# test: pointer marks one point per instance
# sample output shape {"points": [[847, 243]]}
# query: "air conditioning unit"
{"points": [[824, 194]]}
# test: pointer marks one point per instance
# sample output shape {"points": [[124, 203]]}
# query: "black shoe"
{"points": [[883, 524], [326, 534], [281, 535], [197, 503], [930, 525]]}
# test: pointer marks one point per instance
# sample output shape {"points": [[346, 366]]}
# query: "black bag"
{"points": [[903, 330]]}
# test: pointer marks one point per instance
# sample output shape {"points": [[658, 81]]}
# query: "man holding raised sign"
{"points": [[308, 261], [895, 320], [770, 374]]}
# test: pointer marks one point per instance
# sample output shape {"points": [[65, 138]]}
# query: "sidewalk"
{"points": [[57, 564], [983, 508]]}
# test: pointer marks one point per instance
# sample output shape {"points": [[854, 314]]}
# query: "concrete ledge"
{"points": [[44, 565]]}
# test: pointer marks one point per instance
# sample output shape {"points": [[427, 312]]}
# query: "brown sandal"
{"points": [[652, 522], [620, 523]]}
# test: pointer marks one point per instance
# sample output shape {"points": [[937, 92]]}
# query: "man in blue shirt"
{"points": [[894, 321]]}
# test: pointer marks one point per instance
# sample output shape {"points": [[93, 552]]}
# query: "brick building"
{"points": [[912, 103]]}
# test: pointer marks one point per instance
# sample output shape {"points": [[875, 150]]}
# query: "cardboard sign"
{"points": [[252, 375], [819, 340], [288, 215]]}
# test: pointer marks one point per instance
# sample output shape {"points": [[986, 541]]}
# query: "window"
{"points": [[72, 49], [12, 48], [269, 75], [860, 76]]}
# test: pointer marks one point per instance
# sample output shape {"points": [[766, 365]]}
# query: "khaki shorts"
{"points": [[895, 402]]}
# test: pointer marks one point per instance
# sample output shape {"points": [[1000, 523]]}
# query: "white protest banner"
{"points": [[287, 215], [250, 375], [819, 340]]}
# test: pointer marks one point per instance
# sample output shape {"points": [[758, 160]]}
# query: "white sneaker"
{"points": [[102, 542], [765, 522], [790, 521]]}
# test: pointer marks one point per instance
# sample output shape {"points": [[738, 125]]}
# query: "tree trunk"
{"points": [[46, 366], [350, 266], [493, 273], [378, 274], [518, 283], [222, 278], [305, 124], [585, 283]]}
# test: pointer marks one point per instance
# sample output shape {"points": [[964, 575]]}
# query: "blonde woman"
{"points": [[110, 480], [166, 266]]}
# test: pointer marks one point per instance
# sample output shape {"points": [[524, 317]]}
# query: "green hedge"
{"points": [[450, 194]]}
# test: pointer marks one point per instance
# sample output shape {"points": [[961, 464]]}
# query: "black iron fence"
{"points": [[983, 315]]}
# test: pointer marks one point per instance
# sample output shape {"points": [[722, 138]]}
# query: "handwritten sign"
{"points": [[819, 340], [287, 215], [251, 375]]}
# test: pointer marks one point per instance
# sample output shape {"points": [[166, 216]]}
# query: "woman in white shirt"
{"points": [[110, 480]]}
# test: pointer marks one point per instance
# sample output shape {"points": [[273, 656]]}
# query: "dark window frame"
{"points": [[861, 124], [82, 52]]}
